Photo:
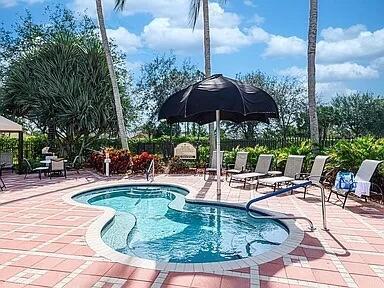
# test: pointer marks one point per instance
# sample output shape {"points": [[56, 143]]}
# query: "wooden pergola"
{"points": [[9, 126]]}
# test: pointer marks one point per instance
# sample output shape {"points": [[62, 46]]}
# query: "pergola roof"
{"points": [[7, 125]]}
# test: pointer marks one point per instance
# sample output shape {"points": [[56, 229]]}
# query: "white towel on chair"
{"points": [[362, 188]]}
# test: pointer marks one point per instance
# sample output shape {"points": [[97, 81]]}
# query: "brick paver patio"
{"points": [[42, 241]]}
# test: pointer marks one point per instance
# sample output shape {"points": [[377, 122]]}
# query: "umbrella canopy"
{"points": [[219, 98], [236, 101]]}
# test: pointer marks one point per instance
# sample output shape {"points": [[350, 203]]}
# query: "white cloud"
{"points": [[334, 72], [331, 34], [127, 41], [11, 3], [259, 35], [159, 34], [378, 63], [170, 30], [281, 46], [228, 40], [337, 45], [345, 71], [327, 90], [89, 6], [257, 19], [351, 46], [8, 3], [295, 72], [249, 3], [177, 11], [165, 33]]}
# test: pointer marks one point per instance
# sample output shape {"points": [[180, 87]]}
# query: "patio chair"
{"points": [[29, 169], [6, 159], [211, 168], [49, 158], [314, 176], [364, 174], [2, 184], [57, 166], [262, 166], [75, 165], [239, 166], [292, 168]]}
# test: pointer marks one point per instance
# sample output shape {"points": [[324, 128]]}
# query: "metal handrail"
{"points": [[285, 190], [151, 170]]}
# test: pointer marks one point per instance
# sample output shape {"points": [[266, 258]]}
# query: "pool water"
{"points": [[155, 222]]}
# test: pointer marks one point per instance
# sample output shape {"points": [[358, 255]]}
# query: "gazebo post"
{"points": [[21, 152]]}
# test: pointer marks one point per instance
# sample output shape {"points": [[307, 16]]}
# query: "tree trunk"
{"points": [[312, 32], [115, 87], [51, 135], [207, 64]]}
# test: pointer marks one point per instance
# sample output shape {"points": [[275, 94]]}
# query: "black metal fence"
{"points": [[32, 150], [165, 148]]}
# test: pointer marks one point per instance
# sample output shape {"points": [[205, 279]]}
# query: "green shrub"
{"points": [[230, 156], [281, 154], [178, 166], [203, 155], [348, 155], [254, 152]]}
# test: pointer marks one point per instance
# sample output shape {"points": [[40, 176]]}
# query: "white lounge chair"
{"points": [[262, 166], [292, 168], [315, 175], [211, 168], [239, 166], [364, 174]]}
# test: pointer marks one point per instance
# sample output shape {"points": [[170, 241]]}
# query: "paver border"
{"points": [[95, 242]]}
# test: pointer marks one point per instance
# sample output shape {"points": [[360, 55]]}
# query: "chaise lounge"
{"points": [[262, 166], [292, 168]]}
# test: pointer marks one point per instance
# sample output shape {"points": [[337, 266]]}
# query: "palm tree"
{"points": [[63, 85], [312, 32], [115, 87], [194, 14]]}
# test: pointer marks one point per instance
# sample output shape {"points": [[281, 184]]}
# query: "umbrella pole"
{"points": [[218, 154]]}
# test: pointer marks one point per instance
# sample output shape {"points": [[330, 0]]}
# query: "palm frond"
{"points": [[194, 11], [119, 4]]}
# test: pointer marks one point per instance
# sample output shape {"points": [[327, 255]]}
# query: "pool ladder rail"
{"points": [[285, 190], [150, 172]]}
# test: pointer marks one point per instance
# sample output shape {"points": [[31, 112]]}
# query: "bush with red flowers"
{"points": [[121, 160], [142, 161]]}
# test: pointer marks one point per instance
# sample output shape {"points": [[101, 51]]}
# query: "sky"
{"points": [[246, 35]]}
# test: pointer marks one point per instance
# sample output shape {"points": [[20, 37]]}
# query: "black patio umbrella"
{"points": [[219, 98]]}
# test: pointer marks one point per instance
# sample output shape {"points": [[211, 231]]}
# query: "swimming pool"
{"points": [[154, 222]]}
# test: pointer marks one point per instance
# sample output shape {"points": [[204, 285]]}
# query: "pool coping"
{"points": [[95, 242]]}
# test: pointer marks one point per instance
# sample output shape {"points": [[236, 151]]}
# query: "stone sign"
{"points": [[185, 151]]}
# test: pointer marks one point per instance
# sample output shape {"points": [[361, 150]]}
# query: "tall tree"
{"points": [[66, 83], [115, 87], [194, 12], [288, 94], [160, 78], [312, 33], [359, 114]]}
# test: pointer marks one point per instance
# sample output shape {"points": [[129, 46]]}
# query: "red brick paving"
{"points": [[38, 230]]}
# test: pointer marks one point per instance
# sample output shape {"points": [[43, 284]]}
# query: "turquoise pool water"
{"points": [[155, 222]]}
